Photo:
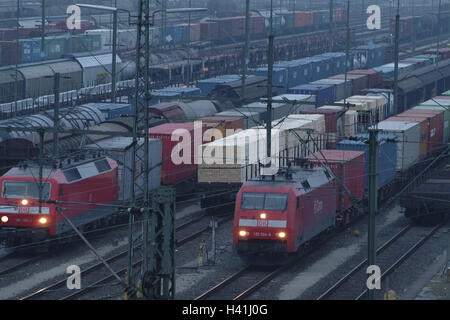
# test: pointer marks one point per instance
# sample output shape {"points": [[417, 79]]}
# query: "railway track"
{"points": [[352, 284], [97, 275], [14, 262]]}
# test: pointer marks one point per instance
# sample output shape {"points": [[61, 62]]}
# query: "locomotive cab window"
{"points": [[25, 189], [264, 201], [102, 165]]}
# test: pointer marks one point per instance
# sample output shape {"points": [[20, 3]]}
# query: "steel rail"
{"points": [[339, 283], [404, 257]]}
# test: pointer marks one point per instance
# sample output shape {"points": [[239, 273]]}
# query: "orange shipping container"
{"points": [[229, 123]]}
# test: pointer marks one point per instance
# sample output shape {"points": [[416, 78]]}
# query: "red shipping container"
{"points": [[424, 130], [302, 19], [436, 123], [359, 81], [178, 166], [256, 24], [8, 52], [375, 77], [209, 30], [350, 167]]}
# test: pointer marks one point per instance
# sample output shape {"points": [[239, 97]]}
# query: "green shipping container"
{"points": [[95, 42], [55, 47], [446, 119], [76, 44]]}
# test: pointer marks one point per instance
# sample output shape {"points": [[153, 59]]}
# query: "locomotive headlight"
{"points": [[243, 233], [24, 202], [43, 220], [5, 219], [281, 235], [263, 216]]}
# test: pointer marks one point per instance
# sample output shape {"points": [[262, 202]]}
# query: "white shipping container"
{"points": [[236, 158], [408, 141], [297, 102], [105, 37], [97, 69], [120, 149]]}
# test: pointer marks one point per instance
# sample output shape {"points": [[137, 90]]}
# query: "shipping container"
{"points": [[251, 119], [294, 71], [236, 158], [367, 56], [334, 124], [340, 88], [359, 81], [297, 102], [446, 125], [121, 150], [55, 47], [350, 120], [225, 125], [209, 30], [374, 79], [350, 167], [113, 110], [186, 139], [338, 61], [324, 93], [279, 77], [387, 156], [208, 85], [30, 50], [195, 32], [408, 141], [97, 69], [435, 123]]}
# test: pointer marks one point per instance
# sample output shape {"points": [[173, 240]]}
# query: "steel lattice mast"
{"points": [[157, 276]]}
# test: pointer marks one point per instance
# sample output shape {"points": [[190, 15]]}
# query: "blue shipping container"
{"points": [[113, 110], [279, 80], [31, 50], [208, 85], [387, 156], [324, 93], [338, 61]]}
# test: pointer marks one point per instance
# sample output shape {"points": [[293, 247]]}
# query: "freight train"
{"points": [[321, 126], [278, 214]]}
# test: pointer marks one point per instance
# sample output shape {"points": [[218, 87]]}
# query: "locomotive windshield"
{"points": [[264, 201], [25, 189]]}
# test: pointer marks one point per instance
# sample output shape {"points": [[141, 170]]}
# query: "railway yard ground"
{"points": [[420, 277]]}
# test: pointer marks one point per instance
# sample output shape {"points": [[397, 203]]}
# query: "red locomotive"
{"points": [[75, 186], [276, 215]]}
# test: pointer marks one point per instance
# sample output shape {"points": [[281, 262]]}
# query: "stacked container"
{"points": [[359, 81], [334, 124], [374, 77], [236, 158], [350, 120], [434, 123], [338, 61], [280, 77], [387, 156], [408, 141], [446, 116], [340, 87], [324, 93], [349, 166]]}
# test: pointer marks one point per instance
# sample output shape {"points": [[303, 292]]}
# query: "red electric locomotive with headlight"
{"points": [[71, 188], [276, 215]]}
